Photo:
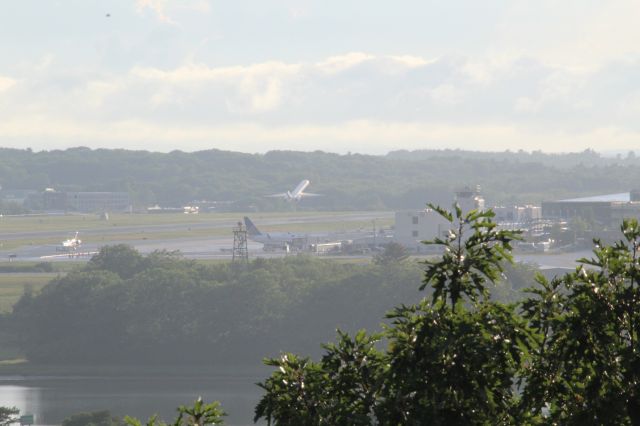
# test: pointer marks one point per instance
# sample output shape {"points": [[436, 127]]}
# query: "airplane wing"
{"points": [[310, 194], [281, 195]]}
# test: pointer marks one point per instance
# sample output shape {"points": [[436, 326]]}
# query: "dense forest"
{"points": [[125, 307], [401, 179]]}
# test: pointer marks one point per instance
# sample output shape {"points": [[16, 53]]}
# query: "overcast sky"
{"points": [[361, 76]]}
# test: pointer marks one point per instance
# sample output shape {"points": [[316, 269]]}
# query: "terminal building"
{"points": [[517, 214], [413, 227], [606, 210]]}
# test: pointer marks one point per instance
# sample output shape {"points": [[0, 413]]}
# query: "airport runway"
{"points": [[192, 248], [220, 247], [189, 247], [214, 223]]}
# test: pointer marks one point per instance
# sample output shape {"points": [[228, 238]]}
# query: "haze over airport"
{"points": [[356, 76], [298, 212]]}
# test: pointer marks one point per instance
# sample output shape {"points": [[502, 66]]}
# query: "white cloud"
{"points": [[97, 91], [526, 104], [246, 89], [489, 68], [412, 61], [355, 102], [337, 64], [266, 86], [191, 73], [201, 6], [355, 136], [263, 97], [163, 10], [447, 94], [6, 83], [158, 7], [570, 33]]}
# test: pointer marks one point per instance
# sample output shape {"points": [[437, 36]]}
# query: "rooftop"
{"points": [[623, 197]]}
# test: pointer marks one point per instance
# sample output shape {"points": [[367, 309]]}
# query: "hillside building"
{"points": [[86, 202], [17, 196]]}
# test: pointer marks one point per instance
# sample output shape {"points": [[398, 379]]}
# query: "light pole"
{"points": [[374, 233]]}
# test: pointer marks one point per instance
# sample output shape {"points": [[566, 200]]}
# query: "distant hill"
{"points": [[399, 180]]}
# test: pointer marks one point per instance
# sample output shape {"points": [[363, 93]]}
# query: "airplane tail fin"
{"points": [[251, 228]]}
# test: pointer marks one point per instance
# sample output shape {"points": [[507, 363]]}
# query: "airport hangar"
{"points": [[607, 210]]}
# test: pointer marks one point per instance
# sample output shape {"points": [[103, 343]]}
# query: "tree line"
{"points": [[347, 181], [123, 307]]}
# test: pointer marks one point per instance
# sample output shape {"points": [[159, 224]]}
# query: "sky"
{"points": [[341, 76]]}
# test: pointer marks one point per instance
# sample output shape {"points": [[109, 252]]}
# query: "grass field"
{"points": [[124, 236], [68, 223], [76, 222], [12, 286], [21, 266]]}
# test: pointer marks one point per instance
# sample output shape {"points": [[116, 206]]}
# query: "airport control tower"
{"points": [[470, 199]]}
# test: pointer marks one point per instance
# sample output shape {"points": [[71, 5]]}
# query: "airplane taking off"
{"points": [[72, 243], [70, 248], [272, 240], [297, 194]]}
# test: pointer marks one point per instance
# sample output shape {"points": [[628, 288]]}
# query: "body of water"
{"points": [[53, 398], [555, 260]]}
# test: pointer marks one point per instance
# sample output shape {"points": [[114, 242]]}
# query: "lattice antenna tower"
{"points": [[240, 254]]}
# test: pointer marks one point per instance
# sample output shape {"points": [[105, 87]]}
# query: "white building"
{"points": [[413, 227], [517, 214]]}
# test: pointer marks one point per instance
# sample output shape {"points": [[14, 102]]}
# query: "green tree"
{"points": [[198, 414], [454, 367], [172, 304], [343, 389], [94, 418], [8, 415], [121, 259], [451, 360], [9, 208], [468, 263], [392, 254], [586, 366]]}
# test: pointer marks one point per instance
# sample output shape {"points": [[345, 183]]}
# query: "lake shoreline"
{"points": [[129, 370]]}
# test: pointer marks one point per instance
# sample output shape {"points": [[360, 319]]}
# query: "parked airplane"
{"points": [[297, 194], [71, 244], [274, 240]]}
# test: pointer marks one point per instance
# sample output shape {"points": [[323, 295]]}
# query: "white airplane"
{"points": [[297, 194], [72, 243], [273, 240]]}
